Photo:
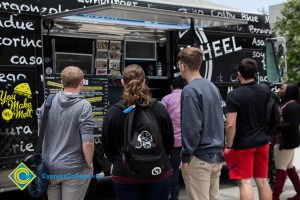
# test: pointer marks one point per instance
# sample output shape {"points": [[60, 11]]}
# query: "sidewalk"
{"points": [[230, 191]]}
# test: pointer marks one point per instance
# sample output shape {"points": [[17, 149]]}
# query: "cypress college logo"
{"points": [[22, 176]]}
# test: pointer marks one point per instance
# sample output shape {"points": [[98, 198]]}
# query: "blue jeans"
{"points": [[175, 158], [144, 191]]}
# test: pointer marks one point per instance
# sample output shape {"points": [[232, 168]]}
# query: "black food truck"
{"points": [[38, 38]]}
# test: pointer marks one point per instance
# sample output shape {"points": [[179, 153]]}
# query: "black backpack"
{"points": [[143, 152], [272, 118]]}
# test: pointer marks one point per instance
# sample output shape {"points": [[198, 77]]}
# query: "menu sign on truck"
{"points": [[95, 90], [18, 127], [20, 40]]}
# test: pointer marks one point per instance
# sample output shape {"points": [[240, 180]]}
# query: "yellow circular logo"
{"points": [[21, 176], [7, 114]]}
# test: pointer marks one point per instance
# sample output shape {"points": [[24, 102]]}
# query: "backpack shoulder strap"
{"points": [[48, 101], [153, 103], [47, 106], [120, 105], [286, 104]]}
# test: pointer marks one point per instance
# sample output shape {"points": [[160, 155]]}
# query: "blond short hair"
{"points": [[71, 76], [192, 57]]}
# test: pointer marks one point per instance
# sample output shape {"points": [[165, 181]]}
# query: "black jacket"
{"points": [[290, 136], [113, 128]]}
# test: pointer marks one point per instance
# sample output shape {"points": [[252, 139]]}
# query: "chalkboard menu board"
{"points": [[20, 41], [95, 91], [18, 127]]}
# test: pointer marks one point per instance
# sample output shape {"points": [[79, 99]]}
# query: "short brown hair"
{"points": [[248, 68], [192, 57], [71, 76]]}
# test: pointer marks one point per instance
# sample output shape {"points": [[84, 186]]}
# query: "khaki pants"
{"points": [[283, 158], [201, 180], [69, 189]]}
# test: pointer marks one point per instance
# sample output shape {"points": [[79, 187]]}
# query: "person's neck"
{"points": [[72, 90], [245, 81], [193, 75]]}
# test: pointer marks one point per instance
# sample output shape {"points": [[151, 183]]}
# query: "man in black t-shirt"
{"points": [[247, 149]]}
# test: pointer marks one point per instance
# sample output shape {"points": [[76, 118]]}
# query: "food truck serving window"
{"points": [[83, 61], [140, 50], [74, 52]]}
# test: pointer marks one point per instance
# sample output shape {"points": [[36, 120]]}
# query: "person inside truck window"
{"points": [[202, 128], [68, 145], [290, 139], [172, 103], [127, 179], [247, 149]]}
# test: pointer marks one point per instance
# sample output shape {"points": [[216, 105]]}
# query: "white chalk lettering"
{"points": [[13, 131], [250, 18], [22, 60], [258, 54], [258, 42], [12, 77], [29, 8], [252, 29], [22, 41], [97, 140], [267, 19], [11, 23], [22, 147], [261, 78], [223, 14]]}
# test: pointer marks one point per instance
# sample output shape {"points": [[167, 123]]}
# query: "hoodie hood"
{"points": [[67, 100], [291, 93]]}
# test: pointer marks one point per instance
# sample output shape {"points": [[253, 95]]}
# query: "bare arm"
{"points": [[230, 128], [88, 151]]}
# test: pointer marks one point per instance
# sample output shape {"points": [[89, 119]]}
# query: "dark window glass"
{"points": [[140, 50], [84, 62], [74, 45]]}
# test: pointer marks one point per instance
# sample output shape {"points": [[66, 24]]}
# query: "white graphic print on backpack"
{"points": [[145, 139], [143, 150]]}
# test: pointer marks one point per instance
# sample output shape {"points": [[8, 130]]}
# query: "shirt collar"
{"points": [[177, 90]]}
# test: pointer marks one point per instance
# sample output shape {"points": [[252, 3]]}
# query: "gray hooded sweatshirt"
{"points": [[70, 123]]}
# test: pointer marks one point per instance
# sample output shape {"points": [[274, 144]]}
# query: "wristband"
{"points": [[228, 147]]}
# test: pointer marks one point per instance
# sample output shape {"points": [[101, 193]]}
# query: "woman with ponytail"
{"points": [[136, 95]]}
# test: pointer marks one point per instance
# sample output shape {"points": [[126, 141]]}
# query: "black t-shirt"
{"points": [[249, 101]]}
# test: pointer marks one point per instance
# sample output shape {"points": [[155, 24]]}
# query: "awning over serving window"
{"points": [[164, 15]]}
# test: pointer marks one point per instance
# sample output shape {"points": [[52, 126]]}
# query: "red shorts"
{"points": [[248, 163]]}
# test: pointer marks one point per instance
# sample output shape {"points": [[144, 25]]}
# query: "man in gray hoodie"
{"points": [[68, 145]]}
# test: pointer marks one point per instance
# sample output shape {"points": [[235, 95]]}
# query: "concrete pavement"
{"points": [[230, 191]]}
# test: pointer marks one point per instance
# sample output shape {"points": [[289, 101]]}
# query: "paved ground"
{"points": [[231, 192], [228, 191]]}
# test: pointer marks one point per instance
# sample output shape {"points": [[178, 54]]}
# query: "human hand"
{"points": [[184, 165], [227, 150]]}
